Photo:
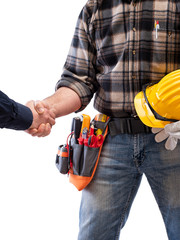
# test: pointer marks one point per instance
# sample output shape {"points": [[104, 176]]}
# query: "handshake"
{"points": [[63, 102], [43, 118]]}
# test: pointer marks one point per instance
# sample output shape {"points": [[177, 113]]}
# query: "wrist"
{"points": [[63, 102]]}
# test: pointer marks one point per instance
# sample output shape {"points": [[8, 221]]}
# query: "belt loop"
{"points": [[129, 125]]}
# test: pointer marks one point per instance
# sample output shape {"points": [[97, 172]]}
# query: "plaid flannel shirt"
{"points": [[118, 46]]}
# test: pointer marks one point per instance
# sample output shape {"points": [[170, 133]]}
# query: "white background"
{"points": [[36, 202]]}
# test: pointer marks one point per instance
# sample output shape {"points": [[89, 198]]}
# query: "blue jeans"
{"points": [[107, 200]]}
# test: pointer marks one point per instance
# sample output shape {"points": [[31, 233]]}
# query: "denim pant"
{"points": [[107, 200]]}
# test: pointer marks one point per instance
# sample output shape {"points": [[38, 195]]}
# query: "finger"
{"points": [[37, 132], [43, 130], [51, 121], [47, 130], [43, 108], [32, 131], [39, 107], [161, 136], [171, 143], [156, 130]]}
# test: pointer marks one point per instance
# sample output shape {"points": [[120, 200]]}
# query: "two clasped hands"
{"points": [[63, 102], [43, 118]]}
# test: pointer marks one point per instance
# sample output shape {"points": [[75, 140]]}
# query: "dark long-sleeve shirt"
{"points": [[14, 115], [118, 46]]}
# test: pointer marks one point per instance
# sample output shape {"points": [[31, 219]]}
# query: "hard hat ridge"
{"points": [[159, 104]]}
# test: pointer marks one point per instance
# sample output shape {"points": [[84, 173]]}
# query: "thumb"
{"points": [[38, 106]]}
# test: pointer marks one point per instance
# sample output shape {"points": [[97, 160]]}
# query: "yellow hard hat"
{"points": [[159, 104]]}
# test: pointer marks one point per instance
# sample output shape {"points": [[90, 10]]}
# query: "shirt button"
{"points": [[134, 52], [169, 34], [134, 29], [133, 77]]}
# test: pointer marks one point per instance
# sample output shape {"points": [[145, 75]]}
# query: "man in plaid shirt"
{"points": [[118, 46]]}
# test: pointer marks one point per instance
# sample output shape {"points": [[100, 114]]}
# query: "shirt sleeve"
{"points": [[79, 71], [14, 115]]}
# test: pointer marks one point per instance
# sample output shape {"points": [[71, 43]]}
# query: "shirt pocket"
{"points": [[166, 37], [161, 30]]}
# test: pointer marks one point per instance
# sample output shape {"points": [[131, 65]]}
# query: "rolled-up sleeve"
{"points": [[79, 71]]}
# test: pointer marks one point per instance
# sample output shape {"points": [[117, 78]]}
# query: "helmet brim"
{"points": [[145, 113]]}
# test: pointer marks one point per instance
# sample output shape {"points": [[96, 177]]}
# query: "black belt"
{"points": [[130, 125]]}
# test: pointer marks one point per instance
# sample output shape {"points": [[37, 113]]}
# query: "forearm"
{"points": [[63, 101]]}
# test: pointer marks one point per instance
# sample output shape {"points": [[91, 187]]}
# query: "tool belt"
{"points": [[80, 155]]}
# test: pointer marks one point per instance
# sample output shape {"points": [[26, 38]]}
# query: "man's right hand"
{"points": [[61, 103]]}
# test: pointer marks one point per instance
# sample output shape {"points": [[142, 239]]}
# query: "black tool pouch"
{"points": [[84, 159], [79, 160], [84, 163]]}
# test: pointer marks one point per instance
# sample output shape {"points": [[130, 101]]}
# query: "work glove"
{"points": [[171, 132]]}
